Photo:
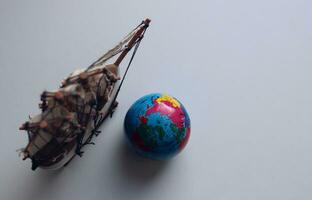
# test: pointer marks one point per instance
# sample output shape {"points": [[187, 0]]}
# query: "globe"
{"points": [[157, 126]]}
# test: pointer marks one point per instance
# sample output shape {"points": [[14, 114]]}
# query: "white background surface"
{"points": [[242, 69]]}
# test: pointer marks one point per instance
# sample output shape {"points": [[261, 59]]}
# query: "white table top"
{"points": [[242, 69]]}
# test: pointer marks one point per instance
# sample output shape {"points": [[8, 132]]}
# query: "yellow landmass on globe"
{"points": [[169, 99]]}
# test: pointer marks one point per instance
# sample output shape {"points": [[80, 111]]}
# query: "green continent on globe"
{"points": [[157, 126]]}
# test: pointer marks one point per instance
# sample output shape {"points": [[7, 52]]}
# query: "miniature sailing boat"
{"points": [[72, 114]]}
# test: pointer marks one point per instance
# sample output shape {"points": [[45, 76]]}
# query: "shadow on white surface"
{"points": [[41, 184], [137, 169]]}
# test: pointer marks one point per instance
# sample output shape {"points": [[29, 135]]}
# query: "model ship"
{"points": [[72, 114]]}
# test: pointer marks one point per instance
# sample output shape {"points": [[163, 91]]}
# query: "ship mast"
{"points": [[133, 41]]}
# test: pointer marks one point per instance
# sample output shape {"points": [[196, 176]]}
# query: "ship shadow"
{"points": [[43, 181], [137, 169]]}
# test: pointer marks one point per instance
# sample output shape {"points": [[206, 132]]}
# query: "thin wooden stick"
{"points": [[132, 42]]}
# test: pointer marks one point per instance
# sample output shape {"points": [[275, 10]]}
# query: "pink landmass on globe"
{"points": [[166, 108]]}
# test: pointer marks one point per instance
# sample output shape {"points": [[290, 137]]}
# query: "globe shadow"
{"points": [[137, 169]]}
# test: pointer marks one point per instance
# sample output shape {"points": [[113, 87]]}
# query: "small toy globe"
{"points": [[157, 126]]}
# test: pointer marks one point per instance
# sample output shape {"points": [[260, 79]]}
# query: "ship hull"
{"points": [[69, 149]]}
